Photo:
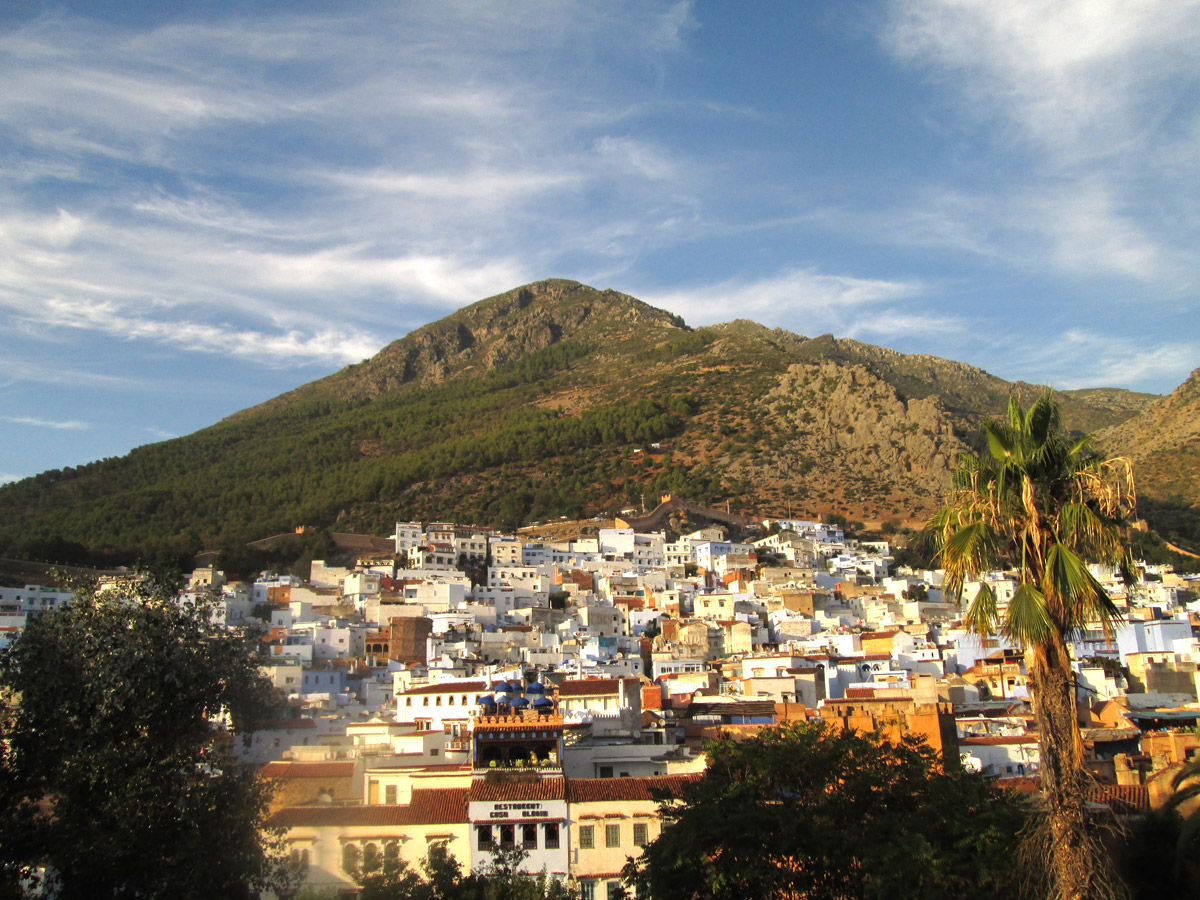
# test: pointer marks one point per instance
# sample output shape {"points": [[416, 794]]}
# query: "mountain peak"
{"points": [[488, 334]]}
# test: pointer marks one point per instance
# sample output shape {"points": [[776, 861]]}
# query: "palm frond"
{"points": [[1000, 444], [1188, 772], [1028, 620], [983, 617], [1073, 594], [1016, 416], [966, 552], [1086, 531], [1041, 419]]}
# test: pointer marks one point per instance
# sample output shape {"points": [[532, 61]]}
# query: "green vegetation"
{"points": [[111, 773], [1040, 502], [245, 479], [528, 406], [805, 810], [442, 878]]}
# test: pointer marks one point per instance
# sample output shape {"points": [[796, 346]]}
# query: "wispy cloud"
{"points": [[28, 368], [1070, 75], [1080, 357], [801, 298], [331, 346], [1098, 98], [46, 423], [186, 232]]}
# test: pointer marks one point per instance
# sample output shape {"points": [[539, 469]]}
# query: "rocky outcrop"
{"points": [[1164, 443], [842, 422]]}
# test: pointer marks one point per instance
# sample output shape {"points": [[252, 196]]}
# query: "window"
{"points": [[551, 835], [606, 772], [507, 837], [389, 795], [587, 837], [614, 891], [350, 858], [587, 888], [612, 835], [640, 834], [484, 833], [371, 858], [529, 837]]}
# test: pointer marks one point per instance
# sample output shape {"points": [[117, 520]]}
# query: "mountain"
{"points": [[1163, 440], [551, 399]]}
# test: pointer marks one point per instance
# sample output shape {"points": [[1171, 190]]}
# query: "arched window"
{"points": [[371, 858], [351, 859], [391, 855]]}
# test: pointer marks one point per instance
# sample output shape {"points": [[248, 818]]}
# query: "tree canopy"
{"points": [[114, 779], [442, 878], [1036, 500], [806, 811]]}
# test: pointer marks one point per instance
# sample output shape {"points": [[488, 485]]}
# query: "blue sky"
{"points": [[203, 205]]}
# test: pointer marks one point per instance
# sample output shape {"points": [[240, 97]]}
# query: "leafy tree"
{"points": [[442, 878], [113, 776], [1035, 499], [804, 810]]}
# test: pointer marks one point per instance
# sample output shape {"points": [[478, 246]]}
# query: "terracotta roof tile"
{"points": [[860, 693], [430, 806], [334, 768], [590, 687], [1120, 798], [594, 790], [545, 789]]}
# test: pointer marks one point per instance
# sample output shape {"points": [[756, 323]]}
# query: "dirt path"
{"points": [[1180, 550]]}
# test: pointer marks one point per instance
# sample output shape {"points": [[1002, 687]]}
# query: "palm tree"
{"points": [[1186, 786], [1039, 502]]}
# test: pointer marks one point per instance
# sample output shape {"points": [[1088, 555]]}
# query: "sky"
{"points": [[205, 204]]}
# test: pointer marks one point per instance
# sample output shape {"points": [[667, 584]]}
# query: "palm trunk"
{"points": [[1073, 864]]}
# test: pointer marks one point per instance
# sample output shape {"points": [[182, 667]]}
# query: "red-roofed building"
{"points": [[450, 704], [329, 840], [526, 808], [613, 819], [300, 783]]}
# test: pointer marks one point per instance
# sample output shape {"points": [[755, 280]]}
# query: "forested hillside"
{"points": [[545, 401]]}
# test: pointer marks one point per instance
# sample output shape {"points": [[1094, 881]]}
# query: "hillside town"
{"points": [[487, 692]]}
